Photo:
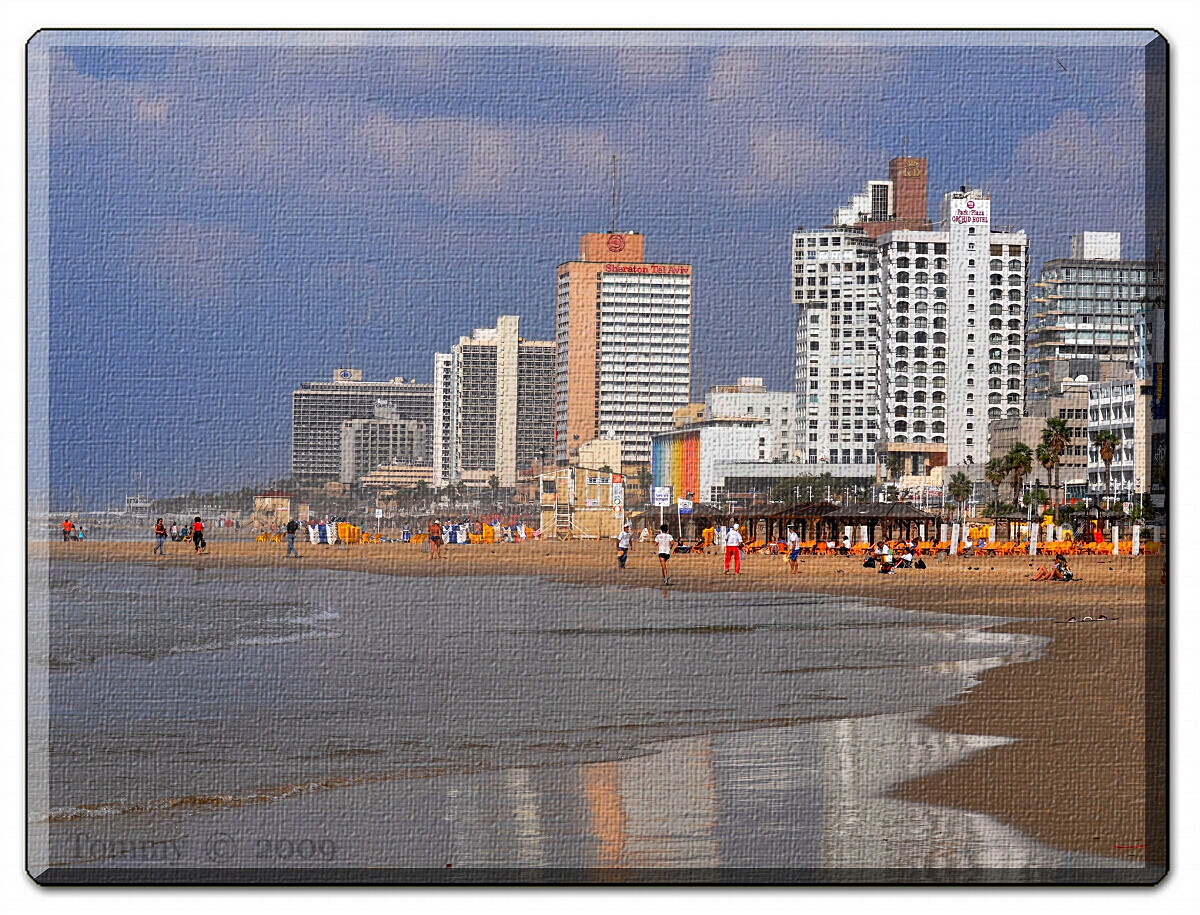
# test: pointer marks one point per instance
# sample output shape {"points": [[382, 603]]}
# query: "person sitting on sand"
{"points": [[906, 560], [1042, 574], [1062, 572]]}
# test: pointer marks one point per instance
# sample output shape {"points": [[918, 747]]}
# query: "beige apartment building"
{"points": [[623, 331]]}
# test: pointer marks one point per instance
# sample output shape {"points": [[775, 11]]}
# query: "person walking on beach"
{"points": [[733, 550], [160, 537], [665, 543], [435, 539], [292, 526], [175, 538], [624, 541], [198, 534], [68, 527], [793, 545]]}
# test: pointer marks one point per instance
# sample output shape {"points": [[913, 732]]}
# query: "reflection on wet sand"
{"points": [[655, 811], [809, 796]]}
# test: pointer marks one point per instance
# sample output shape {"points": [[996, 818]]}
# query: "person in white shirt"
{"points": [[793, 543], [665, 543], [624, 539], [733, 550]]}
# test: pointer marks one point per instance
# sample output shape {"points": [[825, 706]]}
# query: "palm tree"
{"points": [[960, 490], [1048, 458], [645, 481], [494, 484], [1018, 462], [895, 465], [1107, 442], [1056, 436], [994, 472]]}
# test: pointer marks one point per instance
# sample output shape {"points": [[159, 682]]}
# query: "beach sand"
{"points": [[1076, 776]]}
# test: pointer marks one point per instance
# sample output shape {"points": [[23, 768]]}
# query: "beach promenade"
{"points": [[1074, 778]]}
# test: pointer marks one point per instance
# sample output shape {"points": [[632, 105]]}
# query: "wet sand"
{"points": [[1075, 778]]}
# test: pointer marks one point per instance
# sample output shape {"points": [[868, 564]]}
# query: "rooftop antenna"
{"points": [[904, 147], [612, 226]]}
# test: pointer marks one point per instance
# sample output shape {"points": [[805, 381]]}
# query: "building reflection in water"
{"points": [[658, 810], [804, 796]]}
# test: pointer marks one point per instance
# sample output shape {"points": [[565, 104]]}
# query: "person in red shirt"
{"points": [[198, 534], [67, 528]]}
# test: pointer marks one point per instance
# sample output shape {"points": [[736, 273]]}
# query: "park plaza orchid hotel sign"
{"points": [[972, 212]]}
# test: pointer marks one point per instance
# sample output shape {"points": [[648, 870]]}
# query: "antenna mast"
{"points": [[612, 226]]}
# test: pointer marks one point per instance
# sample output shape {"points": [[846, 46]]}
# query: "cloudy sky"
{"points": [[223, 210]]}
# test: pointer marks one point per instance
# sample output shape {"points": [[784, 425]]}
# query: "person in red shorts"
{"points": [[733, 550]]}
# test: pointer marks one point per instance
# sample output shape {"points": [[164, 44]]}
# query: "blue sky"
{"points": [[219, 213]]}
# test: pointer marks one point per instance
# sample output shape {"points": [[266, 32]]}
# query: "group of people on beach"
{"points": [[883, 557], [666, 545], [195, 533]]}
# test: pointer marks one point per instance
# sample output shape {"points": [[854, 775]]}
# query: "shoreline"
{"points": [[1074, 778]]}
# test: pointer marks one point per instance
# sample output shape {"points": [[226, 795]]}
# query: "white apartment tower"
{"points": [[836, 288], [953, 318], [493, 405]]}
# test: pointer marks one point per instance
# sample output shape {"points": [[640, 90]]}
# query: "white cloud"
{"points": [[798, 159], [86, 108], [472, 159]]}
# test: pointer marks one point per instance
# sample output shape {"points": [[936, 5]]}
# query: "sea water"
{"points": [[352, 719]]}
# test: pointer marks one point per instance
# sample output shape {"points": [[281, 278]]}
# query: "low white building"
{"points": [[1121, 407], [750, 397], [691, 459]]}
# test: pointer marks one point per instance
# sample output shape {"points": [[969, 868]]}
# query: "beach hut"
{"points": [[886, 520]]}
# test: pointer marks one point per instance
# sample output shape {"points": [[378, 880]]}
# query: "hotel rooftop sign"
{"points": [[676, 269]]}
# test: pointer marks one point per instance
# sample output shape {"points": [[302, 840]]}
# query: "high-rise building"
{"points": [[954, 305], [494, 397], [442, 444], [1085, 312], [368, 443], [624, 332], [319, 408], [835, 276]]}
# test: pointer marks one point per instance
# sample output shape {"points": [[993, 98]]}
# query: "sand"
{"points": [[1086, 717]]}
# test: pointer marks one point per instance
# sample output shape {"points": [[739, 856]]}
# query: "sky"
{"points": [[231, 215]]}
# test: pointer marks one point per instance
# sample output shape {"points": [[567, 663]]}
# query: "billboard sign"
{"points": [[662, 496], [685, 506]]}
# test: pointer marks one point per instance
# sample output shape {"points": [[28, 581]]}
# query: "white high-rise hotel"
{"points": [[906, 334], [954, 313]]}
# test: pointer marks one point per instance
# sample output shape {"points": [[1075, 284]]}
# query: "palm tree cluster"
{"points": [[1018, 463]]}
